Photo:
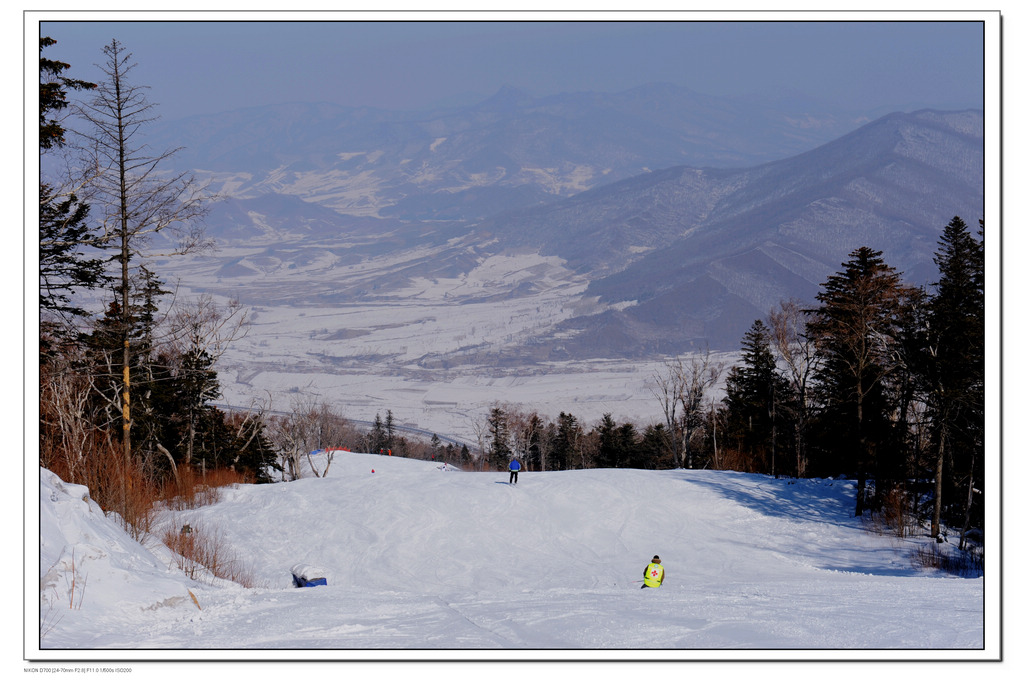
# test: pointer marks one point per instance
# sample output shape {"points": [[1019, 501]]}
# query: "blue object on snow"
{"points": [[307, 575], [303, 582]]}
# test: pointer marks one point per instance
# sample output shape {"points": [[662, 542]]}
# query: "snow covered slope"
{"points": [[434, 563]]}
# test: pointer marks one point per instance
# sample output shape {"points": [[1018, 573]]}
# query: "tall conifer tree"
{"points": [[957, 368], [755, 390], [855, 331], [63, 219]]}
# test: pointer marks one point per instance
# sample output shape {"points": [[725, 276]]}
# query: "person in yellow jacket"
{"points": [[654, 574]]}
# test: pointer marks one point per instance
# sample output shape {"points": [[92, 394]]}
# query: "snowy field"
{"points": [[321, 326], [455, 407], [424, 563]]}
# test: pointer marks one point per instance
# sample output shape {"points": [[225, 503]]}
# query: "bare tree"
{"points": [[201, 330], [668, 388], [136, 199], [311, 425], [697, 379], [542, 442], [523, 430], [481, 430], [67, 418], [681, 388], [788, 337], [204, 325]]}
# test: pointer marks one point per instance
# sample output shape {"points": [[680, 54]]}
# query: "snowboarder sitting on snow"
{"points": [[654, 574], [513, 467]]}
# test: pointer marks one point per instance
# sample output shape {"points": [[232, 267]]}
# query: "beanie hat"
{"points": [[655, 560]]}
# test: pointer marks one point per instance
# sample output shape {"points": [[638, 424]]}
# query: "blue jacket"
{"points": [[514, 466]]}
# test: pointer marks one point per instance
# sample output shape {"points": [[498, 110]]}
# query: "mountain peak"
{"points": [[508, 97]]}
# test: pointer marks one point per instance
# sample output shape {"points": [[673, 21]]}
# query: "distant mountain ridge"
{"points": [[660, 261], [468, 163], [704, 253]]}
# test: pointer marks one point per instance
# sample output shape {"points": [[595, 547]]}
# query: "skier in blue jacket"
{"points": [[513, 467]]}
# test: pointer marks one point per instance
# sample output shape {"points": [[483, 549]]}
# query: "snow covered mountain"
{"points": [[670, 259], [469, 163], [694, 256]]}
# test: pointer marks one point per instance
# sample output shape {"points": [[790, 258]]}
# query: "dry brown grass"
{"points": [[119, 486], [965, 563], [194, 490], [895, 512], [203, 554]]}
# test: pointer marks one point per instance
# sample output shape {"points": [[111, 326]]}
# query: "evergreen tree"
{"points": [[155, 410], [566, 445], [197, 386], [500, 451], [53, 97], [617, 445], [536, 451], [63, 228], [754, 391], [609, 446], [955, 382], [377, 437], [389, 431], [63, 267], [627, 439], [905, 388], [654, 451], [855, 330]]}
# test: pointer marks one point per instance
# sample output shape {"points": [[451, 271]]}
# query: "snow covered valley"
{"points": [[438, 352]]}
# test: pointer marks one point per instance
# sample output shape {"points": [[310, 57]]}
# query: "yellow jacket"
{"points": [[654, 575]]}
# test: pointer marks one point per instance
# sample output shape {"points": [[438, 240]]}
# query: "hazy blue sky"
{"points": [[208, 67]]}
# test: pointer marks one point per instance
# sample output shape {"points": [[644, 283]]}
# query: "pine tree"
{"points": [[609, 446], [956, 376], [628, 443], [497, 424], [565, 448], [53, 97], [537, 449], [755, 390], [389, 431], [855, 330], [377, 437], [654, 451], [197, 386], [63, 219], [63, 267]]}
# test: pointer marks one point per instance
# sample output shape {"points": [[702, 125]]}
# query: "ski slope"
{"points": [[427, 563]]}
